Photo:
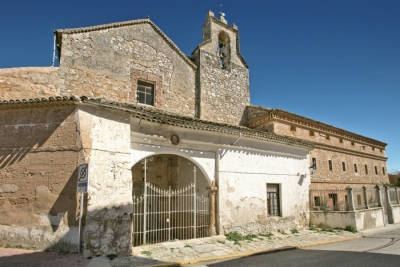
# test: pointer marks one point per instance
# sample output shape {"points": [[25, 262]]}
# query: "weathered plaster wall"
{"points": [[38, 158], [28, 82], [243, 180], [108, 63], [360, 220], [108, 228], [395, 213]]}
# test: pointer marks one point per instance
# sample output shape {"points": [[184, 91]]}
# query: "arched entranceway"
{"points": [[170, 200]]}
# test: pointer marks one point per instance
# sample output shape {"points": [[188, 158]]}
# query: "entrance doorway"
{"points": [[170, 200]]}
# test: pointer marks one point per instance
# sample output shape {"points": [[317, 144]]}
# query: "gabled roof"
{"points": [[152, 114], [60, 32]]}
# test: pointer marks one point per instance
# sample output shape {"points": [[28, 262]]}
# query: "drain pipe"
{"points": [[240, 136], [219, 229]]}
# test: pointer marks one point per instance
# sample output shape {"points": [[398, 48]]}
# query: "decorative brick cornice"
{"points": [[278, 114]]}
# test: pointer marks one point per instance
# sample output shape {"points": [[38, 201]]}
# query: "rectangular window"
{"points": [[328, 137], [145, 93], [355, 168], [330, 164], [273, 202], [383, 170], [293, 128], [311, 133], [376, 170], [344, 166], [317, 201], [314, 163], [373, 148], [341, 140], [366, 169], [352, 143]]}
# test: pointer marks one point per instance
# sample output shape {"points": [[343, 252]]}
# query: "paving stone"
{"points": [[203, 248], [219, 253]]}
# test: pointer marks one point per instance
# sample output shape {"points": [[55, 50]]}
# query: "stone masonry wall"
{"points": [[224, 91], [224, 94], [107, 63], [38, 160], [25, 83], [359, 154], [106, 140]]}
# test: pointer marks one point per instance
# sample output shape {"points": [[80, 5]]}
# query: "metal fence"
{"points": [[329, 200], [373, 198], [392, 195], [161, 215], [360, 202]]}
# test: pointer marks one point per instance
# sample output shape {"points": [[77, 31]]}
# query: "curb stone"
{"points": [[243, 255]]}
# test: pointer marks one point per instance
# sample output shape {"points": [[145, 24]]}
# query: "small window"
{"points": [[145, 93], [373, 148], [328, 137], [341, 140], [376, 170], [330, 164], [314, 163], [344, 166], [293, 128], [383, 170], [311, 133], [352, 143], [317, 201], [355, 168], [380, 150], [366, 169], [273, 202]]}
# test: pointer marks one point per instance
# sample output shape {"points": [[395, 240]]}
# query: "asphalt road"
{"points": [[379, 247]]}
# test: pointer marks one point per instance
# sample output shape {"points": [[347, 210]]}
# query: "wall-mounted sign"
{"points": [[83, 178]]}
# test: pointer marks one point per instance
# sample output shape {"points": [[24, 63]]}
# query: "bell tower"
{"points": [[222, 74]]}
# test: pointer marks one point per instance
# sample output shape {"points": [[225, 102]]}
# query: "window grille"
{"points": [[273, 203]]}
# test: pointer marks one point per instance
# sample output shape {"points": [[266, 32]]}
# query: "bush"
{"points": [[350, 228]]}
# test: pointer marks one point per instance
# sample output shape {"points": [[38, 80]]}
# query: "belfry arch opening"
{"points": [[170, 200], [224, 49]]}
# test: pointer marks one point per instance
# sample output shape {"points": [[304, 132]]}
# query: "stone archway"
{"points": [[173, 203]]}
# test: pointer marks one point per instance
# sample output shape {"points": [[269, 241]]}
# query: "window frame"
{"points": [[146, 85], [273, 200]]}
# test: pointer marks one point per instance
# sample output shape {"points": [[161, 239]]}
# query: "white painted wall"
{"points": [[242, 185]]}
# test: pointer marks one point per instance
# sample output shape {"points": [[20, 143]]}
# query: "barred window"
{"points": [[145, 93], [273, 202]]}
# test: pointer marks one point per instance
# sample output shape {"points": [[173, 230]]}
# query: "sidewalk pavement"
{"points": [[178, 253]]}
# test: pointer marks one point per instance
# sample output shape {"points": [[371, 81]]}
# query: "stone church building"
{"points": [[174, 148]]}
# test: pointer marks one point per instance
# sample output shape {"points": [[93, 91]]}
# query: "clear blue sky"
{"points": [[335, 61]]}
